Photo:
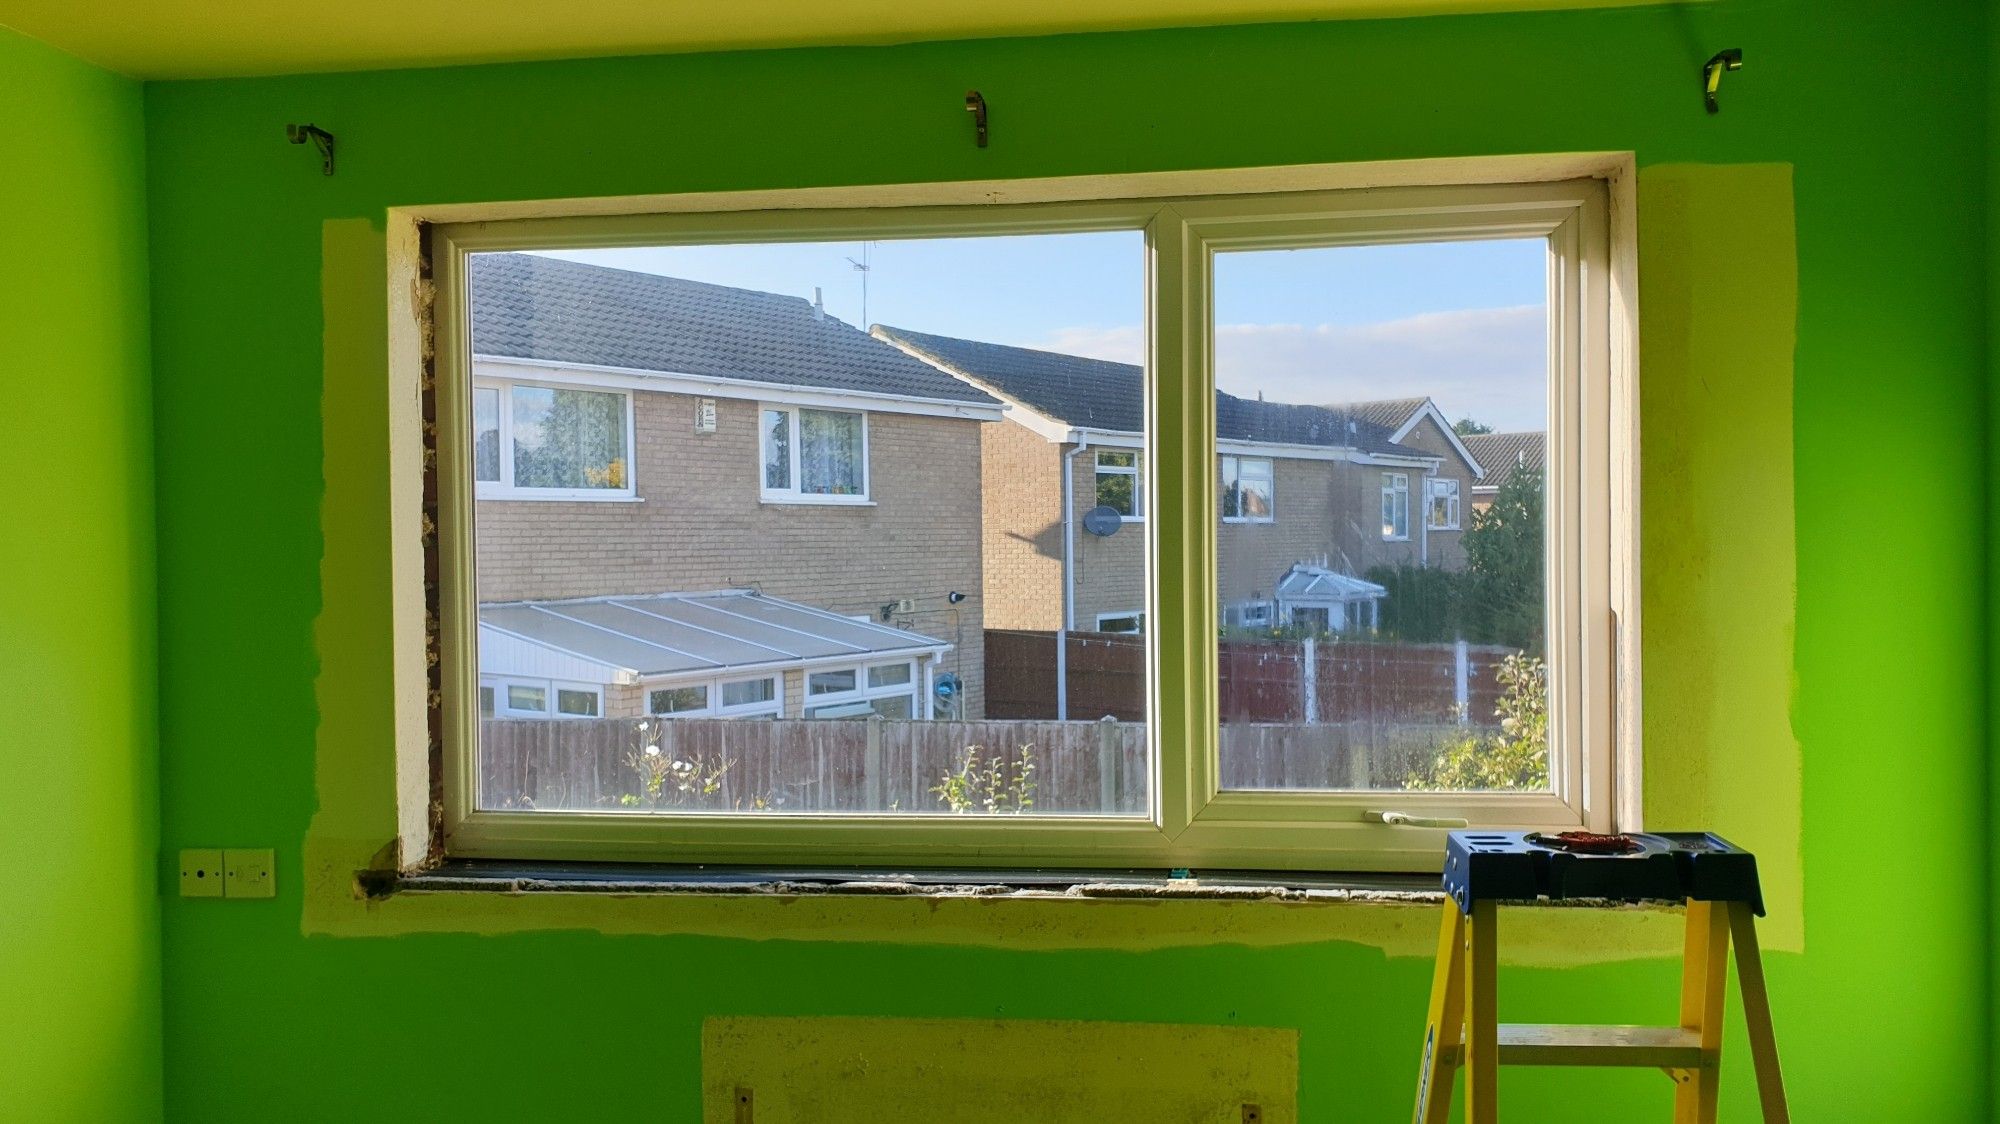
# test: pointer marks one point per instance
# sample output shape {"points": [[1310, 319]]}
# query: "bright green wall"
{"points": [[1876, 114], [79, 817]]}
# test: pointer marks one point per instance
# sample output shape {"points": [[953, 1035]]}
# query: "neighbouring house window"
{"points": [[1317, 619], [1253, 614], [1247, 490], [1395, 505], [550, 442], [814, 456], [888, 690], [505, 697], [1121, 622], [761, 697], [1118, 482], [1442, 510]]}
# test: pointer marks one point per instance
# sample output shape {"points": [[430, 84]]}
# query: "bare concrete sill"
{"points": [[632, 879]]}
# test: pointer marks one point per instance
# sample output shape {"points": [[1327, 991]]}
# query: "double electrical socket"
{"points": [[213, 873]]}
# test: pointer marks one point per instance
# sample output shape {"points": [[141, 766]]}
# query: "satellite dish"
{"points": [[1103, 520]]}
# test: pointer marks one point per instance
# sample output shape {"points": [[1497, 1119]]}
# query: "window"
{"points": [[536, 698], [814, 456], [708, 606], [761, 697], [1395, 505], [1247, 490], [889, 691], [1118, 482], [551, 442], [1121, 622], [1442, 511]]}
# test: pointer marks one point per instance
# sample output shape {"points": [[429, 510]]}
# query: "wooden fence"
{"points": [[846, 765]]}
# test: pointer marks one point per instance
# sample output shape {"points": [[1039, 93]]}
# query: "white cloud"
{"points": [[1489, 363]]}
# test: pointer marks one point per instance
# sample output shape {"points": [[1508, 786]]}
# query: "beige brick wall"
{"points": [[699, 525], [1447, 548], [1023, 546]]}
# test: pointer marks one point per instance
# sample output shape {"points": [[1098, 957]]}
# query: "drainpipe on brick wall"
{"points": [[1068, 577]]}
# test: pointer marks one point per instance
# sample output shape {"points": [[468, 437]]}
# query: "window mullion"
{"points": [[1180, 427]]}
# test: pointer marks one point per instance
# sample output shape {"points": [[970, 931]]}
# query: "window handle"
{"points": [[1405, 819]]}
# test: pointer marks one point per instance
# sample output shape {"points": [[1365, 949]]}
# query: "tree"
{"points": [[1466, 427], [1504, 551]]}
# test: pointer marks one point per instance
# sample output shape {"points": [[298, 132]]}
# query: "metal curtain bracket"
{"points": [[323, 140], [1711, 74], [975, 104]]}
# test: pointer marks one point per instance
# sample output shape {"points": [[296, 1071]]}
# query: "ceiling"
{"points": [[211, 38]]}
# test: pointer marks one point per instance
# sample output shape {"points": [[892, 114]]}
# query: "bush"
{"points": [[1515, 758]]}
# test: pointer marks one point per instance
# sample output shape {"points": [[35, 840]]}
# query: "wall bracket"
{"points": [[1711, 75], [975, 104], [322, 140]]}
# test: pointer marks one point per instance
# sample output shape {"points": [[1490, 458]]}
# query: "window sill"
{"points": [[628, 879], [533, 497], [815, 501]]}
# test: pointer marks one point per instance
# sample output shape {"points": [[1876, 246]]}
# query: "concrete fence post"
{"points": [[1309, 679], [1108, 754], [1461, 694], [871, 766]]}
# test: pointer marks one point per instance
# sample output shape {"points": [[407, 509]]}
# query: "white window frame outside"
{"points": [[1264, 614], [1395, 501], [548, 687], [1136, 616], [1445, 488], [793, 494], [773, 707], [504, 488], [1137, 471], [1270, 480], [1580, 204], [862, 692]]}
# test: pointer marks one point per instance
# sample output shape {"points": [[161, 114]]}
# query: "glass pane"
{"points": [[568, 438], [889, 676], [1363, 648], [581, 703], [674, 700], [485, 434], [923, 595], [830, 682], [746, 692], [777, 450], [486, 701], [831, 458], [534, 699]]}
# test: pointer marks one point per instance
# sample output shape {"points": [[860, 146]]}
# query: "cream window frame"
{"points": [[1187, 218]]}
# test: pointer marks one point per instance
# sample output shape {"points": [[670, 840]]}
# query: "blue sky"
{"points": [[1462, 322]]}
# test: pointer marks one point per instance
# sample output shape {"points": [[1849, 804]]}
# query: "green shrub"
{"points": [[1515, 758]]}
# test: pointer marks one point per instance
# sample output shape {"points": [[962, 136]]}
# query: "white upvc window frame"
{"points": [[1136, 471], [1582, 206], [713, 685], [1395, 497], [505, 489], [1446, 488], [1136, 616], [1223, 463], [550, 688], [794, 493], [863, 691], [1265, 613]]}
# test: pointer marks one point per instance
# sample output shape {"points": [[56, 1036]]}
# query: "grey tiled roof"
{"points": [[528, 307], [1389, 412], [1099, 394], [1501, 453]]}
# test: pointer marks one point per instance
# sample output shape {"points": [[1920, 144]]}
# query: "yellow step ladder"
{"points": [[1716, 880]]}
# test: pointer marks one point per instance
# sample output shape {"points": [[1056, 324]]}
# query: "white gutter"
{"points": [[1069, 578]]}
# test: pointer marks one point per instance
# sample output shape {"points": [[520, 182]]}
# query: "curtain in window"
{"points": [[829, 453], [568, 438]]}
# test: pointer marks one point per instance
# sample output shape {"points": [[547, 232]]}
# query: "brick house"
{"points": [[700, 500], [1503, 454], [1309, 497]]}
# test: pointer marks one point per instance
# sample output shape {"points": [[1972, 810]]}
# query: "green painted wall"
{"points": [[1868, 117], [79, 813]]}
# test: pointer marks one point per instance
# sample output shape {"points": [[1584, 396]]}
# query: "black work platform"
{"points": [[1527, 866]]}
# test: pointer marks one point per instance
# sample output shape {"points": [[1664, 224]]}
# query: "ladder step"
{"points": [[1662, 1047]]}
